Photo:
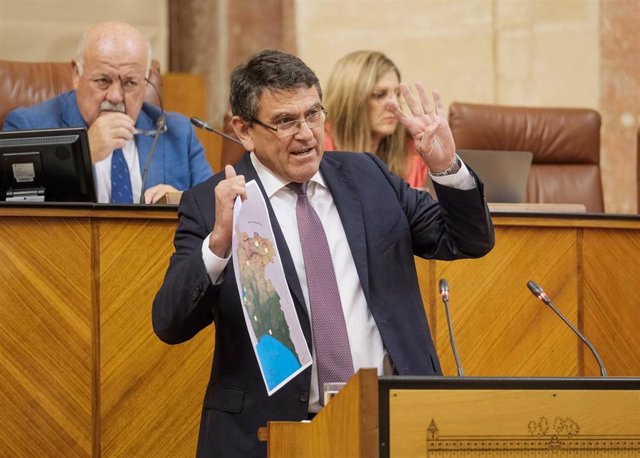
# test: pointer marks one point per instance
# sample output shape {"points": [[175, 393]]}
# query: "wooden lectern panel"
{"points": [[347, 426], [588, 265], [447, 417], [151, 393], [611, 316], [46, 331], [500, 328], [82, 373], [443, 423]]}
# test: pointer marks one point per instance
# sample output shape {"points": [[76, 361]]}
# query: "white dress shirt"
{"points": [[102, 174], [365, 342]]}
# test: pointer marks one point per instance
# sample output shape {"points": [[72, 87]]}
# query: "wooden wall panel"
{"points": [[151, 392], [46, 348], [82, 373], [612, 299], [500, 328], [186, 93]]}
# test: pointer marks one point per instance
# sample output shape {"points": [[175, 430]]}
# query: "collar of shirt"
{"points": [[272, 183]]}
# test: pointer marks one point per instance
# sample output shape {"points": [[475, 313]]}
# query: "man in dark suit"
{"points": [[374, 224]]}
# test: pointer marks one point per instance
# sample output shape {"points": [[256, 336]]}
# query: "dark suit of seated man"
{"points": [[374, 225], [110, 78]]}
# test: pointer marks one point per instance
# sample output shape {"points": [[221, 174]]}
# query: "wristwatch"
{"points": [[453, 168]]}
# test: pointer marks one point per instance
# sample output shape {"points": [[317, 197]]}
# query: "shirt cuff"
{"points": [[462, 179], [213, 264]]}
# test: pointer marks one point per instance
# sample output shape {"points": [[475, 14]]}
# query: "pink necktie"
{"points": [[331, 342]]}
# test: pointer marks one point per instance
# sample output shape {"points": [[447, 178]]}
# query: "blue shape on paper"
{"points": [[278, 362]]}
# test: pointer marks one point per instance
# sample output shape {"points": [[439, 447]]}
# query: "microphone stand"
{"points": [[537, 291], [200, 124], [160, 127], [444, 293]]}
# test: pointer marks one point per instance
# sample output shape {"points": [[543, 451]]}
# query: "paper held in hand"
{"points": [[269, 312]]}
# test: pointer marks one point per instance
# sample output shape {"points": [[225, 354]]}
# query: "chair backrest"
{"points": [[23, 84], [565, 143]]}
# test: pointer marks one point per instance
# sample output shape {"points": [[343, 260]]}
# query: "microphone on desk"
{"points": [[537, 291], [200, 124], [161, 127], [444, 293]]}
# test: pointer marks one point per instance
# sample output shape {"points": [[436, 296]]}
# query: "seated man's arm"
{"points": [[199, 168]]}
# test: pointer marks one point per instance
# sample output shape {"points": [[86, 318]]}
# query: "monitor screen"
{"points": [[46, 165]]}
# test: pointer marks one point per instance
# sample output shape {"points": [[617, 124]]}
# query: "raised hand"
{"points": [[428, 126], [226, 192]]}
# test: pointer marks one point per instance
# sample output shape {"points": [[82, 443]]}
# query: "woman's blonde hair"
{"points": [[348, 93]]}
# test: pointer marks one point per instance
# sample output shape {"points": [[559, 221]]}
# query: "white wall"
{"points": [[46, 30], [513, 52]]}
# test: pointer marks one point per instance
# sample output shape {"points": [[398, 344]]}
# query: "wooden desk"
{"points": [[82, 374], [81, 371], [590, 267]]}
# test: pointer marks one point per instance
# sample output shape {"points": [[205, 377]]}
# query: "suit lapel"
{"points": [[347, 201], [349, 208]]}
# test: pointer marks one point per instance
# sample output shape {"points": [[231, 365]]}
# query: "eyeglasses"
{"points": [[104, 82], [149, 133], [288, 128]]}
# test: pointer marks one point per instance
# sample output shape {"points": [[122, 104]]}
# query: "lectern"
{"points": [[468, 417]]}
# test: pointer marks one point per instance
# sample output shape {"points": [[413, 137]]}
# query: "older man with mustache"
{"points": [[110, 77]]}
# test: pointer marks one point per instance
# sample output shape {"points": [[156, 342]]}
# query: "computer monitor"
{"points": [[46, 165]]}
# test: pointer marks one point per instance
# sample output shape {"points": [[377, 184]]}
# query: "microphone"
{"points": [[200, 124], [161, 127], [537, 291], [444, 293]]}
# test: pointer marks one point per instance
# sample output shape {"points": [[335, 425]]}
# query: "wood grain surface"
{"points": [[82, 373], [46, 337], [347, 426]]}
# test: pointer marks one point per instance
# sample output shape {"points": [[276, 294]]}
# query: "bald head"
{"points": [[112, 65], [113, 37]]}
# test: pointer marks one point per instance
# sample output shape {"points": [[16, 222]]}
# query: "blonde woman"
{"points": [[356, 94]]}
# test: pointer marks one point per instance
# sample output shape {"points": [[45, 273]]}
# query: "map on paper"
{"points": [[271, 318]]}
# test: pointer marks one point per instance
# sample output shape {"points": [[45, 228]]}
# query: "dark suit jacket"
{"points": [[179, 158], [386, 223]]}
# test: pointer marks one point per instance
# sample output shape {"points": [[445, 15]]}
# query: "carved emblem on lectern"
{"points": [[557, 438]]}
